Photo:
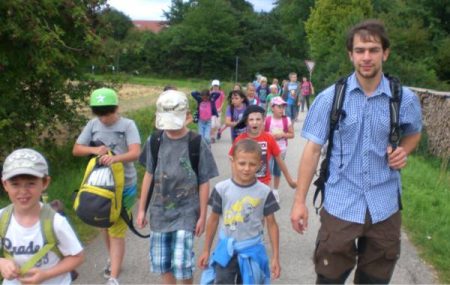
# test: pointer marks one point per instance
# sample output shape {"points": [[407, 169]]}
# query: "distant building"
{"points": [[153, 26]]}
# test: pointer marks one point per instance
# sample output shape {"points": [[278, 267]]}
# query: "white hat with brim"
{"points": [[24, 161], [171, 109], [170, 121]]}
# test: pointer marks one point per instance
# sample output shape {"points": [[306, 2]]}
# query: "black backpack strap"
{"points": [[155, 142], [129, 221], [195, 141], [394, 110], [335, 114]]}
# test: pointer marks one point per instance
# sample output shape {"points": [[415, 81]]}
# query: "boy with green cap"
{"points": [[109, 131]]}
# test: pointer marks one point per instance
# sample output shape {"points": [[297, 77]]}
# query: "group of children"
{"points": [[178, 200]]}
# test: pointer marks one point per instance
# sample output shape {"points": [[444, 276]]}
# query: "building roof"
{"points": [[153, 26]]}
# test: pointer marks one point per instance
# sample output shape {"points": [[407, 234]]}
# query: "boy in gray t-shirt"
{"points": [[178, 203], [241, 204], [109, 131]]}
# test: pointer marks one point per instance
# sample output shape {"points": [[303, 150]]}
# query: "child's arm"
{"points": [[211, 228], [85, 150], [215, 96], [230, 123], [274, 235], [285, 171], [131, 155], [290, 133], [204, 195], [9, 269], [196, 96], [141, 221], [66, 264]]}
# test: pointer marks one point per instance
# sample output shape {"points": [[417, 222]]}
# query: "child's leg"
{"points": [[307, 101], [229, 274], [116, 253]]}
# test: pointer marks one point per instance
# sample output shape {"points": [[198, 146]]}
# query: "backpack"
{"points": [[193, 150], [335, 114], [46, 217], [269, 121], [98, 202]]}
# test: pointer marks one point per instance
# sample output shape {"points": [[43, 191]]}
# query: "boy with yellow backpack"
{"points": [[104, 135], [37, 245]]}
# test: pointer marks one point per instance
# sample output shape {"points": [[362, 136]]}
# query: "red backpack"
{"points": [[285, 124]]}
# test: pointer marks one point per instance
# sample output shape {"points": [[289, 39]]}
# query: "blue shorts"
{"points": [[172, 252]]}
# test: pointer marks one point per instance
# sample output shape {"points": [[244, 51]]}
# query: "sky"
{"points": [[152, 9]]}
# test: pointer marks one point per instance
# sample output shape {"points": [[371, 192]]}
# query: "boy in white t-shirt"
{"points": [[280, 126], [25, 178]]}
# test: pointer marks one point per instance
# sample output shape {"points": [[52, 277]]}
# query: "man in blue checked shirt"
{"points": [[360, 220]]}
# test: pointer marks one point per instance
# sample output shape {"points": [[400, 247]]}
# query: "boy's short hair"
{"points": [[24, 161], [103, 110], [248, 146], [250, 109], [204, 92], [171, 109], [292, 74], [368, 30]]}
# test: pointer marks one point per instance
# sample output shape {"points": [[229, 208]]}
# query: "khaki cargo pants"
{"points": [[373, 248]]}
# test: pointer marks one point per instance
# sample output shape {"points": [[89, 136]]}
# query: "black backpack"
{"points": [[335, 114], [194, 156]]}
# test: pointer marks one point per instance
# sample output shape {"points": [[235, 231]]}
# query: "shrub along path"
{"points": [[295, 250]]}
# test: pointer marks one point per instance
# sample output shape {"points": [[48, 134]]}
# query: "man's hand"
{"points": [[9, 269], [299, 217], [396, 158]]}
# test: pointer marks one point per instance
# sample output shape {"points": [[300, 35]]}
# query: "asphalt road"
{"points": [[295, 250]]}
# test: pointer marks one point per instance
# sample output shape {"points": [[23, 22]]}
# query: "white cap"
{"points": [[171, 109], [215, 82], [24, 161]]}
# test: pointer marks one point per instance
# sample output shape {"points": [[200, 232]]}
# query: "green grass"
{"points": [[426, 211]]}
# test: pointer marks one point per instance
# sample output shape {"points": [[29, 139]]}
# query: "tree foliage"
{"points": [[44, 47]]}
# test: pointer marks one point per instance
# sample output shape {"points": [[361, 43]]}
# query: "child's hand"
{"points": [[141, 221], [293, 184], [33, 276], [9, 269], [200, 227], [101, 150], [203, 260], [275, 269], [107, 159]]}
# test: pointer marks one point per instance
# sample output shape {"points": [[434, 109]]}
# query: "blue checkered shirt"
{"points": [[360, 177]]}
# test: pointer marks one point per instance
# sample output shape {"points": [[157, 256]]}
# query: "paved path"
{"points": [[295, 250]]}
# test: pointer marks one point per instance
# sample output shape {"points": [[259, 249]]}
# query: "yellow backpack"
{"points": [[99, 199]]}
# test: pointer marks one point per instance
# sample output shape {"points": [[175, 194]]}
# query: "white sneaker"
{"points": [[107, 269], [276, 194], [112, 281]]}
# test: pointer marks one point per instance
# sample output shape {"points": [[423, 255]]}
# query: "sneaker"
{"points": [[107, 269], [276, 194], [112, 281]]}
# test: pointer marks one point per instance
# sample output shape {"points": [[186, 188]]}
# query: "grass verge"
{"points": [[426, 214]]}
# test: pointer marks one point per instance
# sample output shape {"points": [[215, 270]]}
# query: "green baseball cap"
{"points": [[104, 97]]}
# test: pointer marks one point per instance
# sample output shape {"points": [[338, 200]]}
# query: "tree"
{"points": [[45, 46], [326, 31]]}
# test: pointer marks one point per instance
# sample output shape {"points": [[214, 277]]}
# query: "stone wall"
{"points": [[436, 119]]}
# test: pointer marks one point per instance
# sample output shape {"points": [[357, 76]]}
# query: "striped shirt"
{"points": [[360, 177]]}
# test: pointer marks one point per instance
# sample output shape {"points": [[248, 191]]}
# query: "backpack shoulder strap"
{"points": [[5, 219], [394, 110], [335, 114], [195, 141], [285, 124], [155, 142], [267, 123]]}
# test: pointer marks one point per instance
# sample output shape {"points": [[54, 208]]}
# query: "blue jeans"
{"points": [[204, 129], [291, 111]]}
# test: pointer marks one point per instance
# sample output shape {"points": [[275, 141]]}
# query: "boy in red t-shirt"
{"points": [[253, 118]]}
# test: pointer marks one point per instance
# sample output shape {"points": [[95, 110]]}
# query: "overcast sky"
{"points": [[152, 9]]}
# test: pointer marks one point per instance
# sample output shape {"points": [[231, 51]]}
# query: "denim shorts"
{"points": [[275, 169], [172, 252]]}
